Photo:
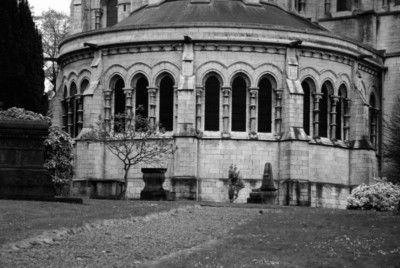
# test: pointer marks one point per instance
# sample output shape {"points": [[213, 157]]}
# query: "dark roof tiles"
{"points": [[215, 13]]}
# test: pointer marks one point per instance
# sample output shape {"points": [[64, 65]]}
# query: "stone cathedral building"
{"points": [[301, 84]]}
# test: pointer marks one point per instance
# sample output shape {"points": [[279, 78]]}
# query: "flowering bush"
{"points": [[235, 183], [22, 114], [58, 149], [382, 196]]}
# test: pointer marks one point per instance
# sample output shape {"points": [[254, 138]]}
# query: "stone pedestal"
{"points": [[267, 194], [153, 179]]}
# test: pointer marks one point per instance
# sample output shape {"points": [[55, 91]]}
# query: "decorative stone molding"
{"points": [[239, 48], [129, 103], [134, 49], [326, 56]]}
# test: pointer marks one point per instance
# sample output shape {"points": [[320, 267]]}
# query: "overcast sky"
{"points": [[42, 5]]}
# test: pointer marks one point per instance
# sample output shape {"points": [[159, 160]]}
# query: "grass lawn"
{"points": [[304, 237], [23, 219]]}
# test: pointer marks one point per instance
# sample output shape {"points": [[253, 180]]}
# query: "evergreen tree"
{"points": [[21, 57]]}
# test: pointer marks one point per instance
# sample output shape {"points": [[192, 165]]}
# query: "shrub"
{"points": [[382, 196], [22, 114], [235, 183], [59, 157]]}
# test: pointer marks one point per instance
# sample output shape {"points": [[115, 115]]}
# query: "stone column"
{"points": [[226, 93], [346, 117], [152, 104], [253, 112], [107, 108], [317, 98], [98, 12], [278, 111], [199, 98], [128, 105], [79, 101], [333, 126], [70, 113]]}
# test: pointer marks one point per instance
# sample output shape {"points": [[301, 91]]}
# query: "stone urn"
{"points": [[153, 189]]}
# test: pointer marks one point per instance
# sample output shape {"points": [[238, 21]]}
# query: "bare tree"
{"points": [[54, 26], [133, 141]]}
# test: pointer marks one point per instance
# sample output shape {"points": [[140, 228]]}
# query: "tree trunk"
{"points": [[125, 187]]}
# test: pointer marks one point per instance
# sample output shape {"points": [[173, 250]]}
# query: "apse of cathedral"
{"points": [[301, 84]]}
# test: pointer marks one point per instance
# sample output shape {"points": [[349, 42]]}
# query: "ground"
{"points": [[170, 234]]}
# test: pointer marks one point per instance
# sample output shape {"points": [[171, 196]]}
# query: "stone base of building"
{"points": [[289, 193]]}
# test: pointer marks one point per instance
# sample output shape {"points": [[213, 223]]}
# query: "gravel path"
{"points": [[134, 242]]}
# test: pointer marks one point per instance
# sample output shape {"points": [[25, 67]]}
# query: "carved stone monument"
{"points": [[267, 193], [22, 175], [153, 179]]}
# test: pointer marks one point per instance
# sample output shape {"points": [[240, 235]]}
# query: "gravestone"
{"points": [[153, 179], [267, 193], [22, 175]]}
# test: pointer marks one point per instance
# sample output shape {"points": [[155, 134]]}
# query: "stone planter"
{"points": [[22, 175], [153, 179]]}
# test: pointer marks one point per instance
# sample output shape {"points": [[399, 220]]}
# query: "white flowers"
{"points": [[382, 196]]}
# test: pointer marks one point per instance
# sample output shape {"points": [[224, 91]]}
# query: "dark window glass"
{"points": [[264, 106], [306, 107], [239, 104], [343, 5], [324, 112], [142, 100], [84, 85], [212, 91], [112, 12], [167, 103], [74, 110], [340, 111], [119, 106], [373, 120]]}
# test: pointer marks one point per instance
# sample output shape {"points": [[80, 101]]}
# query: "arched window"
{"points": [[65, 110], [239, 88], [341, 109], [308, 89], [373, 120], [167, 103], [73, 110], [265, 105], [84, 85], [119, 104], [324, 110], [212, 101], [142, 98], [112, 12]]}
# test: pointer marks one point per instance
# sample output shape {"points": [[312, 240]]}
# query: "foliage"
{"points": [[392, 144], [21, 64], [59, 157], [53, 26], [22, 114], [235, 183], [382, 196], [134, 141]]}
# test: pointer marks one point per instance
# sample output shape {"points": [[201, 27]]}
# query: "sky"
{"points": [[42, 5]]}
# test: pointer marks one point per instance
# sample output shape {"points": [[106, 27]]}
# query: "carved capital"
{"points": [[152, 90], [226, 91], [128, 92], [253, 91]]}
